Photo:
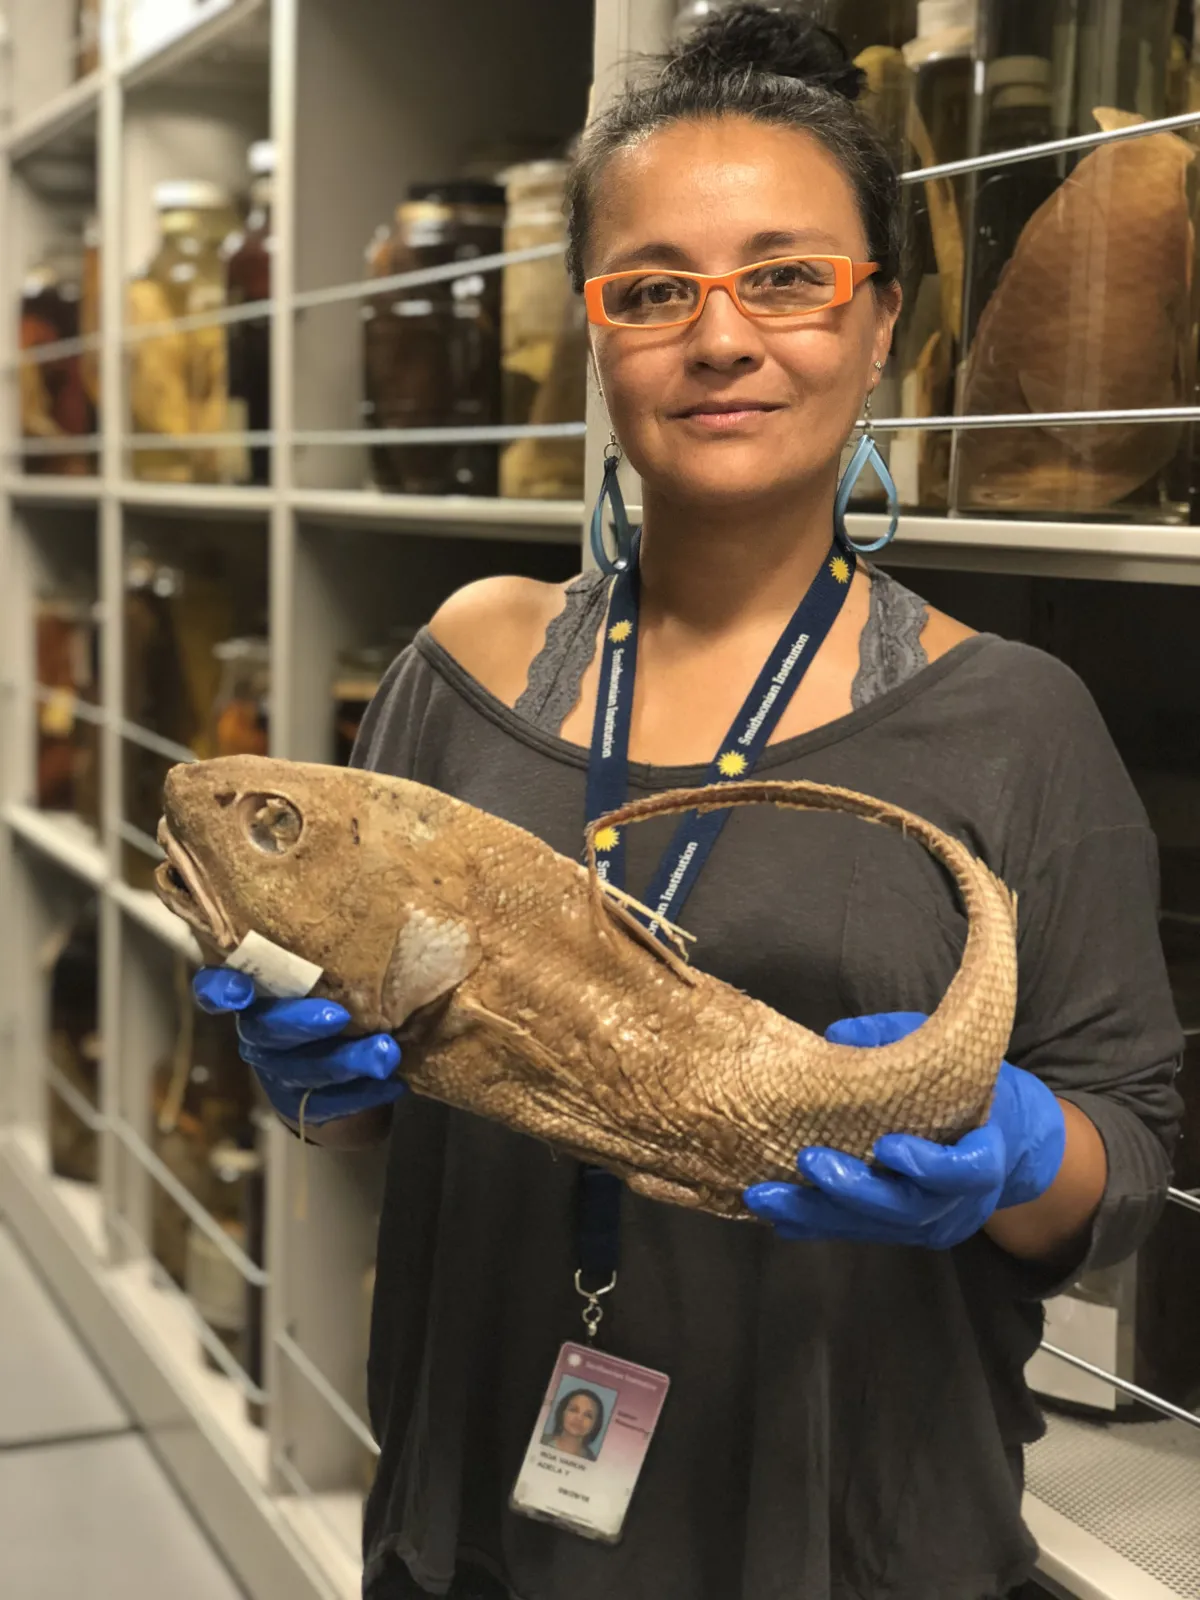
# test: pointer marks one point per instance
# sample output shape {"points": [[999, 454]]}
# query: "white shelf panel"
{"points": [[228, 23], [224, 500], [1155, 541], [144, 906], [541, 521], [80, 1201], [1114, 1508], [53, 491], [66, 113], [193, 1417], [1120, 552], [157, 1315], [62, 837], [1149, 552], [330, 1528]]}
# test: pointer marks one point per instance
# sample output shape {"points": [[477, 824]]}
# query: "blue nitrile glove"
{"points": [[293, 1047], [933, 1195]]}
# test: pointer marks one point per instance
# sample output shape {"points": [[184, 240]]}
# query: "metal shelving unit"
{"points": [[284, 1502]]}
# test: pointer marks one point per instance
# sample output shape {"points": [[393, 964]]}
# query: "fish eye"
{"points": [[272, 823]]}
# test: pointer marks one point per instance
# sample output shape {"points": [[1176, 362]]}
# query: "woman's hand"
{"points": [[931, 1195], [294, 1049]]}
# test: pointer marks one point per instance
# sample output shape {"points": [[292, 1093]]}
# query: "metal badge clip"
{"points": [[593, 1311]]}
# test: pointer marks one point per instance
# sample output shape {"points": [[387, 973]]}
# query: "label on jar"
{"points": [[276, 971]]}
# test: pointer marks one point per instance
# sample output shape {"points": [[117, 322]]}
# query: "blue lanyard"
{"points": [[608, 788], [738, 754]]}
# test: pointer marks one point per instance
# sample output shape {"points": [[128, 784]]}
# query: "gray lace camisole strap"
{"points": [[555, 673], [890, 650]]}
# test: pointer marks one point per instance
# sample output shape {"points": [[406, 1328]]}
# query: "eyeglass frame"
{"points": [[849, 275]]}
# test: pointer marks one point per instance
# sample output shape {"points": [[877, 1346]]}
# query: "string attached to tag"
{"points": [[301, 1212]]}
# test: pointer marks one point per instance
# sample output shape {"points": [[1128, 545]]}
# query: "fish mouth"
{"points": [[180, 885]]}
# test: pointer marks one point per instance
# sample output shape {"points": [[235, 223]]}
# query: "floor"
{"points": [[85, 1511]]}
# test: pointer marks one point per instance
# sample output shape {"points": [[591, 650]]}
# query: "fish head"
{"points": [[358, 875]]}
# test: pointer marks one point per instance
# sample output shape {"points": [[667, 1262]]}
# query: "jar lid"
{"points": [[366, 655], [1007, 71], [189, 194], [535, 174], [691, 14], [411, 211], [260, 159], [937, 16], [248, 649], [230, 1161]]}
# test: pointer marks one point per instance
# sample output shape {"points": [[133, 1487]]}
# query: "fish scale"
{"points": [[524, 992]]}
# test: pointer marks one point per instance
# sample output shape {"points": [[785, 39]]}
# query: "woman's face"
{"points": [[710, 196], [580, 1416]]}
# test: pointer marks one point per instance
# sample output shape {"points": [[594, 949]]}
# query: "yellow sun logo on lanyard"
{"points": [[607, 839], [840, 568], [732, 764], [620, 631]]}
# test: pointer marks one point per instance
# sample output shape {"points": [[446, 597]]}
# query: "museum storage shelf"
{"points": [[359, 101]]}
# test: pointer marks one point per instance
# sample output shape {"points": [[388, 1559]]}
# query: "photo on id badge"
{"points": [[597, 1418]]}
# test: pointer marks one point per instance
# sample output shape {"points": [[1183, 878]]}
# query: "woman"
{"points": [[578, 1419], [847, 1407]]}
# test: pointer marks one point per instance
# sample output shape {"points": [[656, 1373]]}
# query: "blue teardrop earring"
{"points": [[866, 454], [610, 491]]}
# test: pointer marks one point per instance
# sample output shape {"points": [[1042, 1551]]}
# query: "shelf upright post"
{"points": [[624, 28], [281, 571], [119, 1177], [281, 586], [9, 666], [22, 920]]}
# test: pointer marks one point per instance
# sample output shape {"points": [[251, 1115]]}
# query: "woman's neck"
{"points": [[715, 572]]}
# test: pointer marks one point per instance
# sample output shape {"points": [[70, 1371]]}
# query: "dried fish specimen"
{"points": [[525, 991], [1093, 312]]}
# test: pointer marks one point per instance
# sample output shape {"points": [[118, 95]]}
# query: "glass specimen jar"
{"points": [[249, 252], [178, 379], [544, 339], [54, 400], [432, 352]]}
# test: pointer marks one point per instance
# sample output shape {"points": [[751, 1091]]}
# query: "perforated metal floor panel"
{"points": [[1134, 1486]]}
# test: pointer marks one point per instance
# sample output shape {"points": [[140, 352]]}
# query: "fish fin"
{"points": [[520, 1036], [609, 906], [432, 955], [614, 910], [676, 935], [700, 1198]]}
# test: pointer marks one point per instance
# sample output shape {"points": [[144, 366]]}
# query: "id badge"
{"points": [[595, 1426]]}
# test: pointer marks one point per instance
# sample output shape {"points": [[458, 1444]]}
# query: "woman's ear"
{"points": [[595, 366], [888, 301]]}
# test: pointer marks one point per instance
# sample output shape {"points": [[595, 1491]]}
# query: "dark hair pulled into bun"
{"points": [[775, 65], [786, 43]]}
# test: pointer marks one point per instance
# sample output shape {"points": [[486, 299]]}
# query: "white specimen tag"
{"points": [[274, 969], [593, 1431]]}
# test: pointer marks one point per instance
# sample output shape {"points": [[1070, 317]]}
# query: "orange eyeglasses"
{"points": [[787, 286]]}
